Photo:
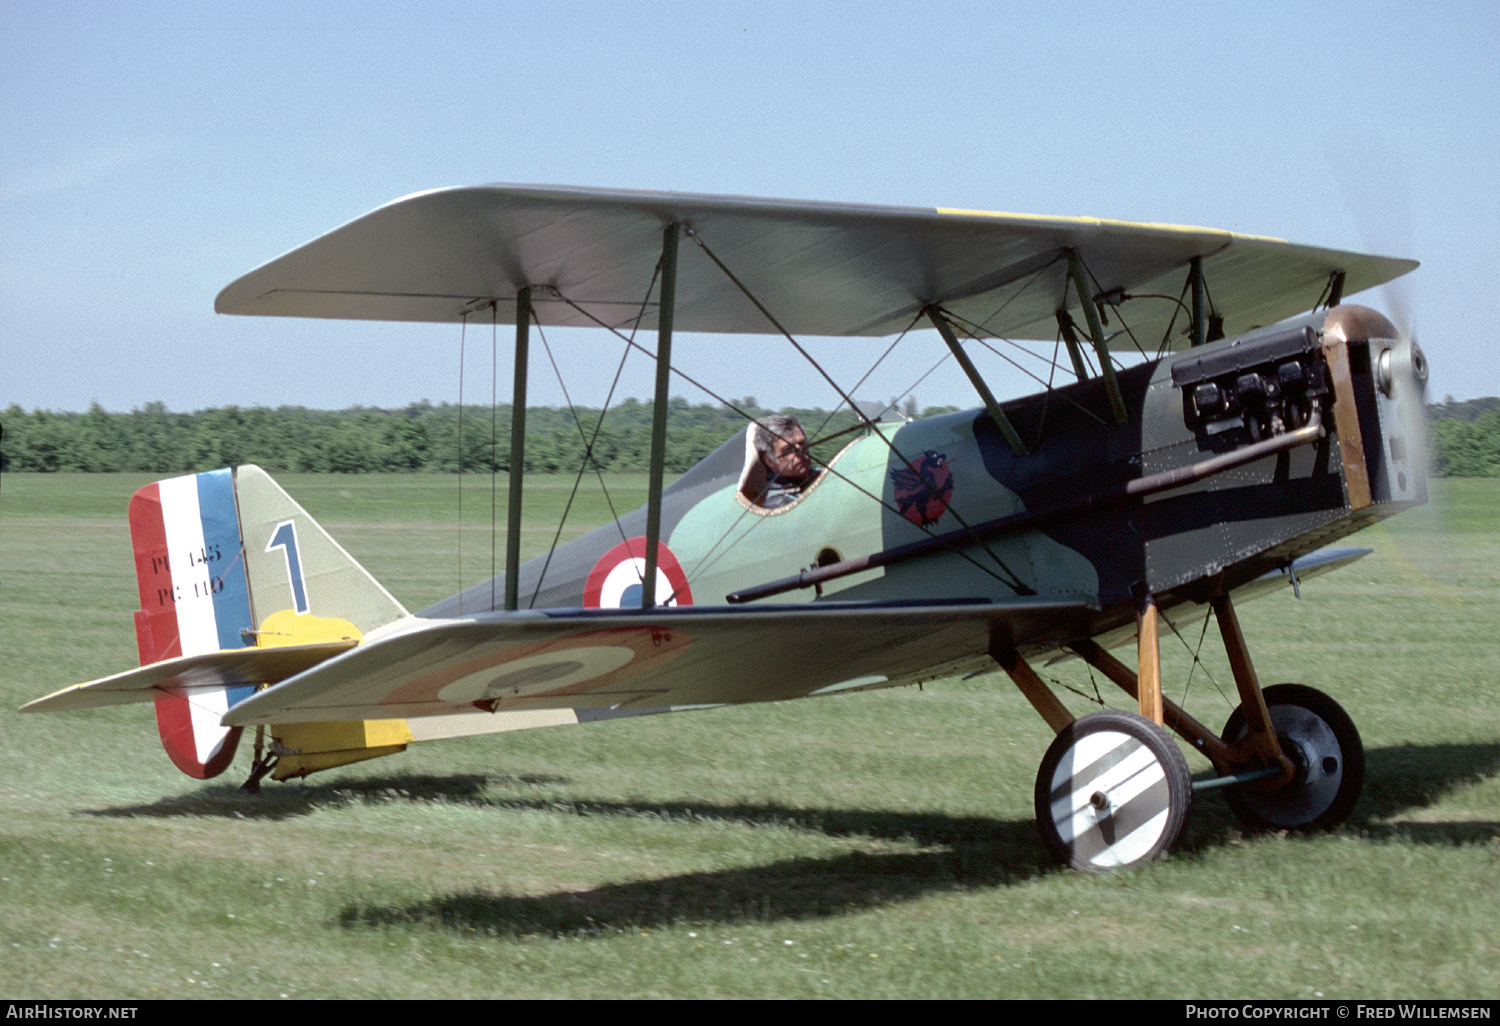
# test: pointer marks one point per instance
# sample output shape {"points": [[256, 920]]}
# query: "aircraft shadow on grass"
{"points": [[953, 851]]}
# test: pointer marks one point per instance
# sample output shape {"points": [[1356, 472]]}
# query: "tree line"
{"points": [[421, 437], [1464, 438]]}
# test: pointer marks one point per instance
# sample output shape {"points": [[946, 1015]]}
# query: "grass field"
{"points": [[865, 846]]}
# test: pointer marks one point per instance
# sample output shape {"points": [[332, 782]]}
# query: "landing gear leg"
{"points": [[258, 770]]}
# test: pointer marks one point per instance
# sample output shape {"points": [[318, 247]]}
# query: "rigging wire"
{"points": [[1015, 583], [709, 558], [1041, 421], [913, 386], [971, 329], [1096, 697], [1031, 280], [776, 324], [1118, 315], [727, 404], [1166, 338], [590, 440], [584, 464], [1194, 652], [873, 367], [1083, 301]]}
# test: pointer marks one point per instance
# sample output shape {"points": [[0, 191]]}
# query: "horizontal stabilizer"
{"points": [[667, 657], [228, 668]]}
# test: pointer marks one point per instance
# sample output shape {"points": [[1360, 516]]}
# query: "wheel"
{"points": [[1320, 739], [1113, 791]]}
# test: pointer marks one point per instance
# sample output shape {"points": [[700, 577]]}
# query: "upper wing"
{"points": [[665, 658], [820, 268]]}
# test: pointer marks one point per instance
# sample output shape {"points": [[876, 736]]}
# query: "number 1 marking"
{"points": [[285, 539]]}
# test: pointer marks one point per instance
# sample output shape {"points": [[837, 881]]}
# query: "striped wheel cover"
{"points": [[1135, 784]]}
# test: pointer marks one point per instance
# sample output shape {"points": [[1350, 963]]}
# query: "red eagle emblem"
{"points": [[922, 497]]}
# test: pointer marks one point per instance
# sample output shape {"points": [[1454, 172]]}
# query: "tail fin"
{"points": [[303, 586], [228, 560]]}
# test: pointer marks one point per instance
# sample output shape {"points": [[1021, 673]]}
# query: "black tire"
{"points": [[1113, 791], [1320, 738]]}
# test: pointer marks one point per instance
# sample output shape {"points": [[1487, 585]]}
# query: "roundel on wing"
{"points": [[556, 662], [565, 668], [615, 581]]}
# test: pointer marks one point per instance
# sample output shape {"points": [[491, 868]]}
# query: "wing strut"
{"points": [[1070, 338], [517, 455], [1200, 313], [1335, 289], [659, 410], [1096, 329], [996, 413]]}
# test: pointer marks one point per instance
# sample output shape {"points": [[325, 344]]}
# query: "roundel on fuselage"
{"points": [[615, 581]]}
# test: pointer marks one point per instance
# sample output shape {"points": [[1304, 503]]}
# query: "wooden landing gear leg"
{"points": [[1148, 659], [1033, 687], [1257, 744], [1297, 728], [1113, 790], [1254, 744], [1290, 757]]}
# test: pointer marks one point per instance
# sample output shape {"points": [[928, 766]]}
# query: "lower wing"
{"points": [[675, 658]]}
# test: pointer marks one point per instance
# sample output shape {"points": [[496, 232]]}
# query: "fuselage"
{"points": [[1059, 521]]}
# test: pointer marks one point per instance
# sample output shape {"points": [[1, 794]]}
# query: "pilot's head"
{"points": [[782, 446]]}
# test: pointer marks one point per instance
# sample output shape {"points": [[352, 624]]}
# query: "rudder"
{"points": [[194, 599]]}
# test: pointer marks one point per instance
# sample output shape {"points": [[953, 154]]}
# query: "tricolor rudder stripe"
{"points": [[191, 574]]}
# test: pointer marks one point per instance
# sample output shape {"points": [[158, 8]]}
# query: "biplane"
{"points": [[1246, 435]]}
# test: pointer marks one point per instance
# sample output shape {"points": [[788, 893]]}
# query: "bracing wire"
{"points": [[584, 464], [1123, 325], [1031, 280], [873, 367], [1166, 338], [972, 329], [589, 441], [1015, 585], [1197, 662]]}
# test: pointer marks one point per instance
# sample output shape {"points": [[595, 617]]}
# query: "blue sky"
{"points": [[155, 152]]}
